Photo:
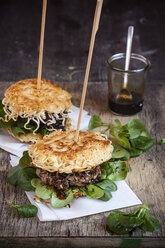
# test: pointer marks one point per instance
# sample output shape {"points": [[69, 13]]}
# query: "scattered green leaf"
{"points": [[27, 210], [25, 176], [94, 122], [162, 141], [12, 175], [133, 137], [121, 223], [25, 160]]}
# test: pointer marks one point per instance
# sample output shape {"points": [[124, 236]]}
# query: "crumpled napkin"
{"points": [[123, 197]]}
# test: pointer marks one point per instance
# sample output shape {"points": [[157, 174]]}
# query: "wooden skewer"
{"points": [[94, 30], [41, 44]]}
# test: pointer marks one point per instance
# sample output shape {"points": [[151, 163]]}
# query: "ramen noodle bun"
{"points": [[37, 111]]}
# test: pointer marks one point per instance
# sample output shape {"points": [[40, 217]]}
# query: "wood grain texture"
{"points": [[67, 36], [86, 242], [146, 179]]}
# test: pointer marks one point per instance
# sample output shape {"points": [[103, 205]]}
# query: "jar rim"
{"points": [[133, 56]]}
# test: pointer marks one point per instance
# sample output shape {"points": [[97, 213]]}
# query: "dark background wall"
{"points": [[67, 37]]}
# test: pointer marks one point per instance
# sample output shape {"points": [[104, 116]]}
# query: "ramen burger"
{"points": [[63, 163], [29, 113]]}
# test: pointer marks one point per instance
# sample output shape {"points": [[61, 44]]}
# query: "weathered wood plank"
{"points": [[67, 36], [146, 178], [81, 242]]}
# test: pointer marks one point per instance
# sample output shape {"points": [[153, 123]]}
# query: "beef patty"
{"points": [[62, 181]]}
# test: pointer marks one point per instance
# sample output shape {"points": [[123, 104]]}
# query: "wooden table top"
{"points": [[146, 178]]}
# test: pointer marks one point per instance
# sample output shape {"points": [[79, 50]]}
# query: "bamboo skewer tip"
{"points": [[94, 31], [41, 44]]}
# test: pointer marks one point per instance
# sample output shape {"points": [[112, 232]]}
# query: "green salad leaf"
{"points": [[107, 183], [4, 124], [107, 195], [42, 191], [131, 139], [119, 153], [22, 174], [107, 186], [12, 175], [58, 203], [101, 190], [21, 177], [95, 121], [44, 131], [135, 152], [121, 223], [25, 176], [114, 171], [142, 143], [119, 170], [17, 126], [2, 112], [92, 191], [162, 141], [150, 224], [25, 160], [48, 193], [26, 210], [121, 134], [18, 130], [136, 128]]}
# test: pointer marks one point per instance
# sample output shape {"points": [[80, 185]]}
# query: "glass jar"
{"points": [[126, 88]]}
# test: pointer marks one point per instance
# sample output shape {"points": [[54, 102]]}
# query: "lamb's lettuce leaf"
{"points": [[132, 137], [162, 141], [115, 171], [48, 193], [26, 210], [22, 174], [25, 160], [121, 223]]}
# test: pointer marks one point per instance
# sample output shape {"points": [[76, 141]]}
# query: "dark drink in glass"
{"points": [[126, 100]]}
